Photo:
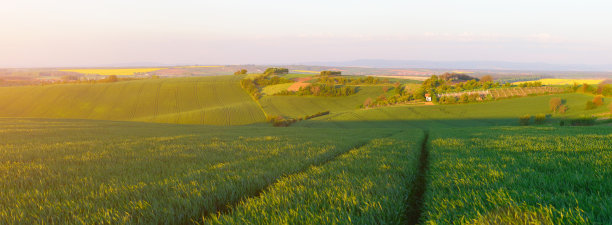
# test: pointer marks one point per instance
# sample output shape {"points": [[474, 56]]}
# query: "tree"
{"points": [[540, 118], [585, 87], [367, 102], [399, 89], [240, 72], [330, 73], [276, 71], [486, 78], [70, 78], [590, 105], [524, 120], [464, 98], [385, 88], [555, 103], [598, 100], [112, 78]]}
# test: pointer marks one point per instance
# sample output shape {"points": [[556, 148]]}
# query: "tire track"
{"points": [[156, 111], [223, 209], [197, 96], [138, 96], [177, 106], [414, 202]]}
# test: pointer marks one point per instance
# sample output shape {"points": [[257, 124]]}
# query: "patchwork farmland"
{"points": [[201, 150]]}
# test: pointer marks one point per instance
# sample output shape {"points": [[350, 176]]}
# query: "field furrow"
{"points": [[367, 185]]}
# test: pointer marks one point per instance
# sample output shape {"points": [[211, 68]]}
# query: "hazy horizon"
{"points": [[78, 33]]}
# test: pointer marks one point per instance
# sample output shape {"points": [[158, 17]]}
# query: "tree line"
{"points": [[321, 90]]}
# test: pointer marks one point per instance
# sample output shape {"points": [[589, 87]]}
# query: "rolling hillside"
{"points": [[198, 100], [502, 112]]}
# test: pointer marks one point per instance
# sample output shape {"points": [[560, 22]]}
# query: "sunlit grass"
{"points": [[520, 175], [94, 172]]}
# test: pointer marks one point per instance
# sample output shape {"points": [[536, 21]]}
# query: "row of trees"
{"points": [[538, 119], [601, 89], [531, 84], [369, 80], [447, 83], [241, 72], [251, 87], [326, 90], [464, 98], [383, 100], [321, 90], [276, 71], [330, 73], [266, 80]]}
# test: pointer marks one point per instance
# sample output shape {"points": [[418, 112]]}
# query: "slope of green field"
{"points": [[215, 100], [273, 89], [519, 175], [55, 171], [502, 112], [297, 106]]}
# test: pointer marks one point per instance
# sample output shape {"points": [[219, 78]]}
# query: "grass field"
{"points": [[215, 100], [273, 89], [523, 175], [113, 71], [554, 81], [96, 172]]}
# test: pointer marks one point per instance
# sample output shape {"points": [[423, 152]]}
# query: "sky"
{"points": [[60, 33]]}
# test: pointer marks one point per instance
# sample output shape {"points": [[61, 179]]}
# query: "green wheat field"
{"points": [[210, 150]]}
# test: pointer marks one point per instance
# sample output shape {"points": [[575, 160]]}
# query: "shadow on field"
{"points": [[423, 124]]}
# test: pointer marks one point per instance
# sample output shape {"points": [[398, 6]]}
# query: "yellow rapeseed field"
{"points": [[114, 71], [199, 66], [555, 81]]}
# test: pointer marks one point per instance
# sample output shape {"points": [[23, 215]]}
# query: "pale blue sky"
{"points": [[86, 32]]}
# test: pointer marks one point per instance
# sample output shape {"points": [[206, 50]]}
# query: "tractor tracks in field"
{"points": [[226, 208], [414, 202]]}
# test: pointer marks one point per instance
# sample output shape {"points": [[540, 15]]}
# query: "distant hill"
{"points": [[473, 65]]}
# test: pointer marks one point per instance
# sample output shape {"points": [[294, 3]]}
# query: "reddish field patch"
{"points": [[299, 83]]}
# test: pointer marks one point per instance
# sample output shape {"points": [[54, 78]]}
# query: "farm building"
{"points": [[428, 97]]}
